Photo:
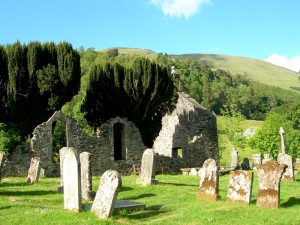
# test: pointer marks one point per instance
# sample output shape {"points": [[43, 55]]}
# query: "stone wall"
{"points": [[191, 128]]}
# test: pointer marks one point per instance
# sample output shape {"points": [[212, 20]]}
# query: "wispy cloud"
{"points": [[180, 8], [280, 60]]}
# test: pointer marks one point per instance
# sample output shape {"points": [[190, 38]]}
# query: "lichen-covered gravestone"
{"points": [[86, 175], [209, 181], [72, 181], [34, 171], [107, 193], [240, 186], [147, 175], [269, 175]]}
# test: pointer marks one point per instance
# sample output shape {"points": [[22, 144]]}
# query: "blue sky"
{"points": [[262, 29]]}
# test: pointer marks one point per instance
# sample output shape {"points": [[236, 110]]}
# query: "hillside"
{"points": [[255, 69]]}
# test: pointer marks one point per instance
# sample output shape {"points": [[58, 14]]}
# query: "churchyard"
{"points": [[171, 201]]}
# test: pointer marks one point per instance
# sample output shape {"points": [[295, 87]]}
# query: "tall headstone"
{"points": [[286, 159], [234, 158], [86, 175], [147, 175], [62, 153], [209, 181], [240, 186], [269, 175], [256, 159], [107, 193], [72, 181], [34, 171]]}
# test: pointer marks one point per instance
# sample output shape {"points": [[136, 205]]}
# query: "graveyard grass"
{"points": [[171, 201]]}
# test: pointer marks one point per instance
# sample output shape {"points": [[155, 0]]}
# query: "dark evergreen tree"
{"points": [[3, 85]]}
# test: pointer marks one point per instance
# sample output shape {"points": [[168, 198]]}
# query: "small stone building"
{"points": [[188, 137]]}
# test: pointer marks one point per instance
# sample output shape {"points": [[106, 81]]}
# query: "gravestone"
{"points": [[107, 193], [240, 186], [234, 158], [286, 159], [209, 181], [62, 153], [245, 164], [147, 175], [86, 175], [269, 175], [72, 181], [193, 172], [1, 162], [256, 159], [34, 171], [266, 158], [297, 164]]}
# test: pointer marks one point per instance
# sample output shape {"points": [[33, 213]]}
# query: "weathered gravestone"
{"points": [[147, 175], [297, 164], [245, 164], [286, 159], [234, 158], [72, 181], [86, 176], [1, 162], [209, 181], [193, 172], [266, 158], [240, 186], [256, 159], [62, 153], [107, 193], [269, 175], [34, 171]]}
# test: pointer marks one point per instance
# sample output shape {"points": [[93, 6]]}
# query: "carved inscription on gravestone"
{"points": [[147, 175], [107, 193], [209, 181], [34, 171], [240, 186], [269, 175], [72, 181]]}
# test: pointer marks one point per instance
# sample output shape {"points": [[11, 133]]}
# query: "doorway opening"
{"points": [[119, 142]]}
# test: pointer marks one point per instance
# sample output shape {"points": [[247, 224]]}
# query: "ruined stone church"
{"points": [[188, 137]]}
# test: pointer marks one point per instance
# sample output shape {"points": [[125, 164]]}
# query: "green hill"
{"points": [[255, 69]]}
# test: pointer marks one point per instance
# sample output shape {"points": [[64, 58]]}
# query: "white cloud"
{"points": [[180, 8], [280, 60]]}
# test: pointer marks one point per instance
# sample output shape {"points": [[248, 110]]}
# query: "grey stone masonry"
{"points": [[240, 186], [72, 181], [86, 175], [209, 181], [147, 175], [107, 193], [286, 159], [34, 171], [269, 176]]}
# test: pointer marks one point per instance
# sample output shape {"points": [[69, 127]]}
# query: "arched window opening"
{"points": [[58, 138], [119, 142]]}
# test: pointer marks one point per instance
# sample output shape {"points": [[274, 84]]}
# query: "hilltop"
{"points": [[255, 69]]}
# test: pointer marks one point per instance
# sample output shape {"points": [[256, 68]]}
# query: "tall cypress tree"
{"points": [[3, 85]]}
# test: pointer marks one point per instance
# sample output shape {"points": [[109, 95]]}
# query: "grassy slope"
{"points": [[135, 52], [255, 69], [172, 201]]}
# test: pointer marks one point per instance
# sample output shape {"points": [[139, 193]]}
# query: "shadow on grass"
{"points": [[144, 214], [27, 193], [178, 184], [12, 184], [142, 196], [126, 189], [291, 202], [6, 207]]}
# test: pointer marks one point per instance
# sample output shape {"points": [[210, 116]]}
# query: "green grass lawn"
{"points": [[172, 201]]}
